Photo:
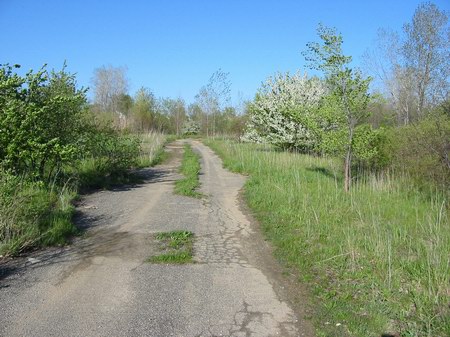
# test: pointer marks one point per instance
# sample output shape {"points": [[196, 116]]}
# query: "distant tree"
{"points": [[125, 103], [175, 110], [414, 67], [348, 97], [110, 85], [426, 53], [196, 114], [214, 97], [144, 110]]}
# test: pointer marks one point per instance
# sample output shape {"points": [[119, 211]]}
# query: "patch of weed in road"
{"points": [[177, 247], [190, 167]]}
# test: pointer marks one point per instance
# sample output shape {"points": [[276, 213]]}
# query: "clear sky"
{"points": [[172, 47]]}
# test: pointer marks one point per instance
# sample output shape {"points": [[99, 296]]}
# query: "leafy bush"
{"points": [[48, 138], [191, 128], [370, 147], [107, 156], [422, 151], [40, 121]]}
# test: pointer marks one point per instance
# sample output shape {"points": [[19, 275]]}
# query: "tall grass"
{"points": [[32, 214], [377, 259], [151, 148]]}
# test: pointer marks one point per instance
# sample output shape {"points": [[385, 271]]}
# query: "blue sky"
{"points": [[172, 47]]}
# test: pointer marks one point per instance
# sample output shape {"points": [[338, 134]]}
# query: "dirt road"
{"points": [[101, 286]]}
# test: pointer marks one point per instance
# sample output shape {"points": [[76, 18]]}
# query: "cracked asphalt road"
{"points": [[101, 286]]}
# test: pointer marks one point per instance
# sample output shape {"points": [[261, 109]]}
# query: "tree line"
{"points": [[210, 114]]}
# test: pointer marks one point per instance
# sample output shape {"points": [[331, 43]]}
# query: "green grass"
{"points": [[33, 215], [190, 167], [376, 260], [177, 247]]}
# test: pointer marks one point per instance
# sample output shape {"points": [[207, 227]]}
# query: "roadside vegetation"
{"points": [[190, 168], [350, 178], [52, 146], [177, 247], [376, 258], [349, 169]]}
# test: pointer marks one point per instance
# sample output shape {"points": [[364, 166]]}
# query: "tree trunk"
{"points": [[347, 169], [348, 159]]}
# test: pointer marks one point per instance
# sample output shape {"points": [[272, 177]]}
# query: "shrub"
{"points": [[107, 156], [40, 121], [422, 151]]}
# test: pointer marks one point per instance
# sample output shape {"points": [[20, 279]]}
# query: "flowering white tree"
{"points": [[282, 110]]}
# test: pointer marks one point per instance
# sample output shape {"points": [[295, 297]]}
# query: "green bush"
{"points": [[48, 141], [107, 159], [40, 121], [371, 149], [422, 151]]}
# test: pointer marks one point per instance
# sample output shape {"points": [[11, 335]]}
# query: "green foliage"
{"points": [[190, 167], [143, 110], [190, 128], [348, 92], [370, 146], [421, 150], [371, 149], [376, 259], [40, 121], [50, 147]]}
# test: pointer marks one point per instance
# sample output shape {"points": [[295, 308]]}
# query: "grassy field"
{"points": [[376, 259], [190, 167]]}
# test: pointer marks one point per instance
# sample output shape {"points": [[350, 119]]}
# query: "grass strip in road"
{"points": [[190, 167], [177, 247], [376, 259]]}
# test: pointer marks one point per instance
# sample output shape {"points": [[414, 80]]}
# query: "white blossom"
{"points": [[280, 110]]}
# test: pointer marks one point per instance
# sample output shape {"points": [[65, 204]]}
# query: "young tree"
{"points": [[214, 96], [143, 110], [110, 85], [175, 110], [348, 96]]}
